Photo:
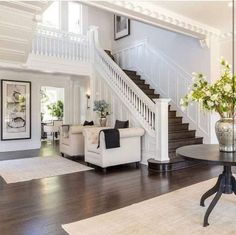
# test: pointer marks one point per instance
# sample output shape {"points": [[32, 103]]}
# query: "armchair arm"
{"points": [[131, 132]]}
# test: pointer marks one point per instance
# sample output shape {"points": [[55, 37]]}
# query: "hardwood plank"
{"points": [[39, 207]]}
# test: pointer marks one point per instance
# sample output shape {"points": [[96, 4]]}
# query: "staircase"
{"points": [[130, 96], [179, 132]]}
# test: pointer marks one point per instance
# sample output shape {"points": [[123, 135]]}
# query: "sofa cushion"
{"points": [[121, 124], [87, 123]]}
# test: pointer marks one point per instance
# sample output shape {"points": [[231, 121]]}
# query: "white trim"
{"points": [[12, 10], [15, 40], [26, 5], [16, 52], [14, 26], [160, 17]]}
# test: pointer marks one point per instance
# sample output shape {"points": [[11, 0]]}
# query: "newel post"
{"points": [[161, 127]]}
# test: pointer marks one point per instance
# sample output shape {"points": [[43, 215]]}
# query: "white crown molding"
{"points": [[11, 51], [14, 39], [11, 10], [14, 26], [140, 10], [227, 37], [28, 5], [53, 67]]}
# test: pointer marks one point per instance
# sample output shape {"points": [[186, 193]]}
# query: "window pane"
{"points": [[74, 17], [51, 16]]}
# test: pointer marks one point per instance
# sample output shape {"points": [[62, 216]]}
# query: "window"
{"points": [[74, 17], [51, 17], [66, 16]]}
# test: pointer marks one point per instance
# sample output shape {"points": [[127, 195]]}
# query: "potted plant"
{"points": [[56, 109], [219, 97], [102, 109]]}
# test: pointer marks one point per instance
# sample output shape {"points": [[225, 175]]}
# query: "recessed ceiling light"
{"points": [[230, 4]]}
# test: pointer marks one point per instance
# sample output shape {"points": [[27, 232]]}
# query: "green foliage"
{"points": [[219, 96], [102, 108], [56, 109]]}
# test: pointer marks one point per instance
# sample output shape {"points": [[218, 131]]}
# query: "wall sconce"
{"points": [[88, 98]]}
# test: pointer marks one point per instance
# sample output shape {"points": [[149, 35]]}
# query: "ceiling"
{"points": [[213, 13]]}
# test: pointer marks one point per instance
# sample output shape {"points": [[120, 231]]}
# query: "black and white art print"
{"points": [[15, 110], [121, 27]]}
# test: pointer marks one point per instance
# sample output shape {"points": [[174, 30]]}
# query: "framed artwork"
{"points": [[121, 27], [15, 110]]}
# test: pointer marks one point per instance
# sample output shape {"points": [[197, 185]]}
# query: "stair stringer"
{"points": [[121, 110]]}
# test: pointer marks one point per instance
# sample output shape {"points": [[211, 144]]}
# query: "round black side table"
{"points": [[226, 182]]}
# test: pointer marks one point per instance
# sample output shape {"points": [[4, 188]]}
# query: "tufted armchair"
{"points": [[128, 152], [72, 140]]}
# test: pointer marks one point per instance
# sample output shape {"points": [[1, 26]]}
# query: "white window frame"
{"points": [[63, 23]]}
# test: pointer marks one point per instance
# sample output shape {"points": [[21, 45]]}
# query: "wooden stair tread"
{"points": [[134, 76], [130, 71], [185, 139], [181, 131], [153, 96]]}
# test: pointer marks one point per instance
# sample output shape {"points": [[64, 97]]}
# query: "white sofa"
{"points": [[72, 142], [128, 152]]}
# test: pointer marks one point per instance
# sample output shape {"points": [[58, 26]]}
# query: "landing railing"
{"points": [[64, 45]]}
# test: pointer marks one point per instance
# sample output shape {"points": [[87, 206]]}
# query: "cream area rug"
{"points": [[175, 213], [26, 169]]}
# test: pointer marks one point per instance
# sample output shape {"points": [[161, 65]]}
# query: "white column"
{"points": [[161, 126], [64, 16], [93, 40], [76, 103]]}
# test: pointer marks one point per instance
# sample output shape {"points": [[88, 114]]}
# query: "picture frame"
{"points": [[121, 27], [15, 110]]}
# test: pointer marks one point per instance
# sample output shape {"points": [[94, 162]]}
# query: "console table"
{"points": [[226, 182]]}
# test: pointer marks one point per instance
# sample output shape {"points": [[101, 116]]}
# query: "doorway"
{"points": [[52, 112]]}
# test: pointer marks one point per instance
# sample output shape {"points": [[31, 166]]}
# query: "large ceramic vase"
{"points": [[226, 133], [103, 122]]}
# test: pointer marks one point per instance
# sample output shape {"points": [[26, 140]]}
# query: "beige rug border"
{"points": [[50, 176], [145, 201]]}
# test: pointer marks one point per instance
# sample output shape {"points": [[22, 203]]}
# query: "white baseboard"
{"points": [[19, 145]]}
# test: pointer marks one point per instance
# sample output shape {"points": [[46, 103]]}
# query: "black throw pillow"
{"points": [[121, 124], [86, 123]]}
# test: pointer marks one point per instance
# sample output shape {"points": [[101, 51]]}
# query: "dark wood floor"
{"points": [[41, 206]]}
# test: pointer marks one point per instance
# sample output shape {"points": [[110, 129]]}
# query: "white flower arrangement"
{"points": [[219, 96], [102, 108]]}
